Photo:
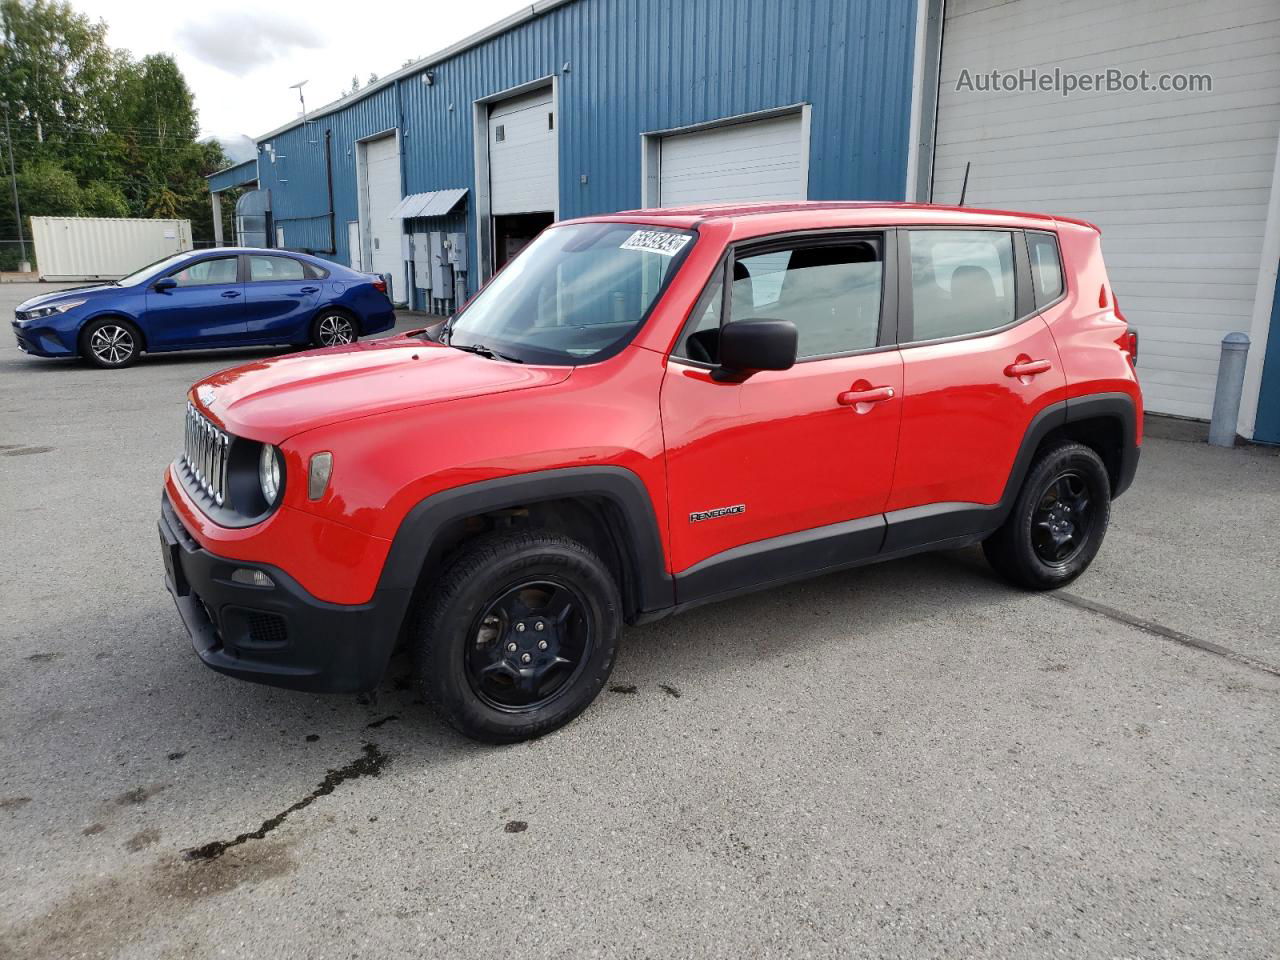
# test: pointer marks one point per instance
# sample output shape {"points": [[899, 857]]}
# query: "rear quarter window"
{"points": [[1046, 267]]}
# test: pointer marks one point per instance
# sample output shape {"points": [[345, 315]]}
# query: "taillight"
{"points": [[1130, 345], [379, 284]]}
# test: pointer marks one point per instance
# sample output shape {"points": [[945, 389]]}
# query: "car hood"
{"points": [[69, 293], [270, 400]]}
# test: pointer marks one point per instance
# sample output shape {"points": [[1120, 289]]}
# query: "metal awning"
{"points": [[433, 203]]}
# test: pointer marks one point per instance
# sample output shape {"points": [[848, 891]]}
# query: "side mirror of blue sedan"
{"points": [[163, 284]]}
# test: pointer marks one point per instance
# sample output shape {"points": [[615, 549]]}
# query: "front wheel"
{"points": [[110, 343], [518, 636], [1058, 521], [333, 329]]}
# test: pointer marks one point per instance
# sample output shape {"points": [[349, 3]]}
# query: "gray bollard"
{"points": [[1226, 397]]}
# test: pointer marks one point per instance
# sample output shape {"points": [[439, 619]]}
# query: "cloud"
{"points": [[243, 41]]}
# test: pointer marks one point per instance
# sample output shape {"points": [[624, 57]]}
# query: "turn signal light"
{"points": [[318, 474]]}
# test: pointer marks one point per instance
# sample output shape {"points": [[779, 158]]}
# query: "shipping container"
{"points": [[103, 248]]}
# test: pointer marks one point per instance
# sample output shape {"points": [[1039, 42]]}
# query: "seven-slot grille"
{"points": [[206, 454]]}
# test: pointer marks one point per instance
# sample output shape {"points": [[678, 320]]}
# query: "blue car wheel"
{"points": [[110, 343], [333, 329]]}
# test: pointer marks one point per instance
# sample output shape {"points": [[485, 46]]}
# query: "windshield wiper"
{"points": [[481, 350]]}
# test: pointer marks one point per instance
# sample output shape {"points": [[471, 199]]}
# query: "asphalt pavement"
{"points": [[906, 760]]}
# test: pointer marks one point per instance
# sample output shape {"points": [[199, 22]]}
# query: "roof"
{"points": [[523, 15], [234, 175], [869, 211]]}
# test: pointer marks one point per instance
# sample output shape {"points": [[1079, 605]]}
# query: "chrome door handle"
{"points": [[1027, 368], [855, 398]]}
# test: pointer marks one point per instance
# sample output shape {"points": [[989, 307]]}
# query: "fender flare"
{"points": [[1111, 406], [641, 542]]}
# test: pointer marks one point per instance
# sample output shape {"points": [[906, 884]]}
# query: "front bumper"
{"points": [[279, 635], [40, 341]]}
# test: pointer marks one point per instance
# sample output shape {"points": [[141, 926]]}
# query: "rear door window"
{"points": [[962, 282], [274, 268]]}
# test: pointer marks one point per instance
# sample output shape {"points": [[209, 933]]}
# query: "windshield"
{"points": [[140, 276], [574, 295]]}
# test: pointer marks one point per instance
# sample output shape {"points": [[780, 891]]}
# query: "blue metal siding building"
{"points": [[621, 68]]}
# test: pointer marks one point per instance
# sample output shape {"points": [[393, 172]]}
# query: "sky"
{"points": [[240, 56]]}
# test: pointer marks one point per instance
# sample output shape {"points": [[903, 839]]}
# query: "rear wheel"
{"points": [[333, 328], [110, 343], [1058, 521], [518, 636]]}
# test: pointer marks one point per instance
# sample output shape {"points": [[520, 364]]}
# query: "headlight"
{"points": [[270, 473], [41, 313]]}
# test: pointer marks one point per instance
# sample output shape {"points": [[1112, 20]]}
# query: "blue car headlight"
{"points": [[52, 310]]}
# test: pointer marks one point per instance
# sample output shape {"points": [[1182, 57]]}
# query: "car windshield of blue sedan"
{"points": [[576, 294], [152, 269]]}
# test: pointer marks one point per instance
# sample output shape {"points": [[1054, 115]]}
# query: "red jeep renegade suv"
{"points": [[644, 412]]}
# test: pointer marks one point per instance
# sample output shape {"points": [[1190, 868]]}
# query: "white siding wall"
{"points": [[382, 185], [1178, 182], [522, 166], [744, 162]]}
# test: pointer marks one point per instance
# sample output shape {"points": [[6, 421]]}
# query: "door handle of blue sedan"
{"points": [[309, 290], [229, 294]]}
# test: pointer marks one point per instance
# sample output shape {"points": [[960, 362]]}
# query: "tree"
{"points": [[48, 188], [100, 199], [94, 131]]}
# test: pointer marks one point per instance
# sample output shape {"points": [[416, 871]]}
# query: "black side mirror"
{"points": [[163, 284], [747, 346]]}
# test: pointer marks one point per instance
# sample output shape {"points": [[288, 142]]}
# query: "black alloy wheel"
{"points": [[1061, 523], [516, 634], [1057, 522], [528, 645]]}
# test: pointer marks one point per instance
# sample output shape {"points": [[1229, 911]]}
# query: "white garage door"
{"points": [[1178, 182], [522, 155], [382, 186], [743, 162]]}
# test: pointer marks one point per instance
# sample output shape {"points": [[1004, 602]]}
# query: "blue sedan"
{"points": [[206, 299]]}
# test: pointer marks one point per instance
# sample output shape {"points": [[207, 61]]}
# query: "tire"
{"points": [[1043, 544], [333, 328], [493, 595], [110, 343]]}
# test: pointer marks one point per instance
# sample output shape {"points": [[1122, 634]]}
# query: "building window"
{"points": [[499, 133]]}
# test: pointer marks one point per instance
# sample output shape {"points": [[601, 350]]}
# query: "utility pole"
{"points": [[23, 265]]}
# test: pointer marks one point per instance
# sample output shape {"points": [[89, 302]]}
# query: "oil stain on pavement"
{"points": [[369, 764]]}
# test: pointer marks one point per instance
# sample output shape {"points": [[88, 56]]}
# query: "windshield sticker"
{"points": [[656, 241]]}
